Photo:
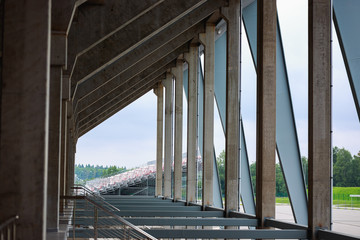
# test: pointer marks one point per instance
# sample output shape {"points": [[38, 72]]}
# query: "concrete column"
{"points": [[63, 153], [69, 157], [266, 110], [24, 114], [168, 83], [178, 73], [232, 144], [64, 138], [208, 40], [159, 138], [319, 115], [192, 59], [53, 192]]}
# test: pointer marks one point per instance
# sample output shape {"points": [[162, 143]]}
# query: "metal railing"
{"points": [[8, 229], [93, 217]]}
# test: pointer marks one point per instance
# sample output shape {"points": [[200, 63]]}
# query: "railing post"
{"points": [[95, 223], [74, 207]]}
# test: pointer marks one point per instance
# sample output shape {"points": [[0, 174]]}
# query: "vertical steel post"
{"points": [[319, 115], [95, 223], [266, 110]]}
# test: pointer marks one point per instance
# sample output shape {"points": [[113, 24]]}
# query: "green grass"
{"points": [[341, 197], [282, 200]]}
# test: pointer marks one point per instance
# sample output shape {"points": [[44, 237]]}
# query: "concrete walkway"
{"points": [[344, 220]]}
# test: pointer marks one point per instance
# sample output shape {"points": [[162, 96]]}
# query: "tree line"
{"points": [[87, 172], [346, 171]]}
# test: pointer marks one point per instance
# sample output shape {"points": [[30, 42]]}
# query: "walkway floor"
{"points": [[345, 220]]}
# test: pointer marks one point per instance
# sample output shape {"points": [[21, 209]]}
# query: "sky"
{"points": [[129, 137]]}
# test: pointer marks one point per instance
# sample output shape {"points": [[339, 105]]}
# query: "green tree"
{"points": [[221, 168]]}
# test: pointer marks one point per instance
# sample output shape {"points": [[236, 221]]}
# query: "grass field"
{"points": [[341, 197]]}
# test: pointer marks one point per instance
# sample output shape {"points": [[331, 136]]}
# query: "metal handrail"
{"points": [[117, 217], [10, 226], [97, 207], [96, 196]]}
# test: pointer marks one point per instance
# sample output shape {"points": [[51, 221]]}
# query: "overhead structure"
{"points": [[68, 65]]}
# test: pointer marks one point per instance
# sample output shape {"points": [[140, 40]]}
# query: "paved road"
{"points": [[345, 220]]}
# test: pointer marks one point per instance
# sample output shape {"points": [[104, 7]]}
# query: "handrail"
{"points": [[8, 228], [122, 220], [79, 186], [8, 222], [112, 214]]}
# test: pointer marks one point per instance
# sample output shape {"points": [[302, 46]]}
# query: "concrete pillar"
{"points": [[192, 59], [70, 156], [64, 139], [24, 114], [53, 192], [266, 110], [208, 39], [168, 83], [159, 138], [319, 115], [178, 73], [232, 142], [63, 149]]}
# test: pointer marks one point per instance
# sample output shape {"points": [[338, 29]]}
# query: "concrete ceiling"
{"points": [[119, 49]]}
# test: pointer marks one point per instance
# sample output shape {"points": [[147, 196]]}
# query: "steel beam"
{"points": [[330, 235], [286, 135], [149, 213], [346, 14], [266, 110], [319, 115], [209, 234], [169, 221], [247, 195], [159, 91]]}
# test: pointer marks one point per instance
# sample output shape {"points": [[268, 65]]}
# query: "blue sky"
{"points": [[128, 138]]}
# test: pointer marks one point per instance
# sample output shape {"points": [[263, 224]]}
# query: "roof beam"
{"points": [[127, 38], [95, 88], [112, 93], [121, 61], [93, 23]]}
